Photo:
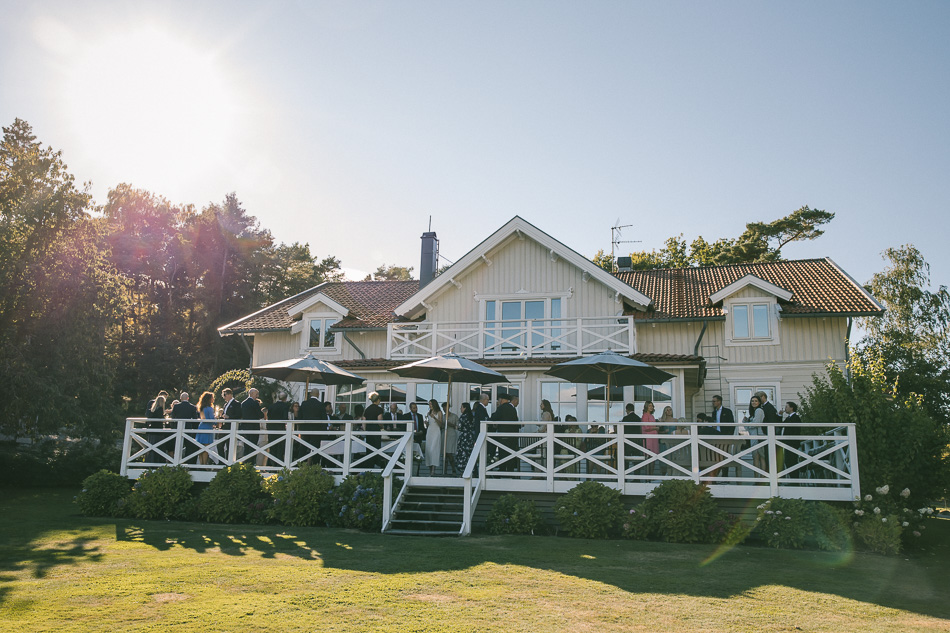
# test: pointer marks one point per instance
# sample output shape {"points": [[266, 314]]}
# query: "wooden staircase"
{"points": [[426, 511]]}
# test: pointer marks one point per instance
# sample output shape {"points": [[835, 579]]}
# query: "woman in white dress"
{"points": [[434, 437]]}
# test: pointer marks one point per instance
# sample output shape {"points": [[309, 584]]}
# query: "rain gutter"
{"points": [[350, 341]]}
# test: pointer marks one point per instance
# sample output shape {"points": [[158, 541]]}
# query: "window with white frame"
{"points": [[508, 319], [752, 321], [744, 393], [319, 335], [562, 396]]}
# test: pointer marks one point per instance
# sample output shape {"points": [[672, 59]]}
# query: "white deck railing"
{"points": [[269, 445], [817, 462], [500, 339]]}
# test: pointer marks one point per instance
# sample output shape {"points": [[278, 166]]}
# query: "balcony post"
{"points": [[347, 447], [631, 336], [551, 463], [853, 461], [773, 461], [179, 441]]}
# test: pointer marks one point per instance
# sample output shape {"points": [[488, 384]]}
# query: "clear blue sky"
{"points": [[347, 124]]}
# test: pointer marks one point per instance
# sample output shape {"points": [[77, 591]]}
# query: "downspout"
{"points": [[700, 339], [847, 351], [250, 354], [348, 340]]}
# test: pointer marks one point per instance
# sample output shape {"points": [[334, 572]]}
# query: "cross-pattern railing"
{"points": [[526, 337], [269, 445]]}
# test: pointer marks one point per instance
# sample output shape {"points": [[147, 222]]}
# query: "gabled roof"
{"points": [[817, 287], [750, 280], [369, 304], [415, 304]]}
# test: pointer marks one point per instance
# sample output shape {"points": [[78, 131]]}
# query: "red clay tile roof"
{"points": [[818, 286], [370, 304]]}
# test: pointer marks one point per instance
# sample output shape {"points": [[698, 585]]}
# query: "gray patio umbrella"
{"points": [[609, 368], [308, 369], [449, 368]]}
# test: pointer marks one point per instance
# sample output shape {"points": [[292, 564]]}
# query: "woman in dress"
{"points": [[434, 437], [755, 418], [649, 427], [206, 413], [156, 420], [468, 433], [547, 413], [451, 437]]}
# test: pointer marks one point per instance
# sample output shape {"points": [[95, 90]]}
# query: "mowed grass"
{"points": [[62, 572]]}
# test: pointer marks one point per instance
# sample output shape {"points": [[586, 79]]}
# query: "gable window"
{"points": [[508, 320], [750, 320], [320, 335]]}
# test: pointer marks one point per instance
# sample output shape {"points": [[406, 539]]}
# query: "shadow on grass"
{"points": [[915, 582]]}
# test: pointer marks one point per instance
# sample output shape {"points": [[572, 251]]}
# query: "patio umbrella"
{"points": [[449, 368], [611, 368], [308, 369]]}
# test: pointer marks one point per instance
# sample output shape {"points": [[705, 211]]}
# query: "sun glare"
{"points": [[155, 106]]}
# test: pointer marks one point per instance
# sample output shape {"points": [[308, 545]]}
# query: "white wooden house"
{"points": [[521, 301]]}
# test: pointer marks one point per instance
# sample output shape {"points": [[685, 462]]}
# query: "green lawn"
{"points": [[62, 572]]}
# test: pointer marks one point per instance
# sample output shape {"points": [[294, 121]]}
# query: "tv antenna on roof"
{"points": [[616, 232]]}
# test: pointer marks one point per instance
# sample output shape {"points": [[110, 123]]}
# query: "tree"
{"points": [[390, 273], [760, 242], [58, 296], [604, 260], [912, 335]]}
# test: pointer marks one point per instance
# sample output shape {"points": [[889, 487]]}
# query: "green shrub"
{"points": [[509, 515], [55, 462], [235, 495], [681, 511], [103, 494], [880, 534], [784, 523], [300, 497], [160, 493], [829, 527], [358, 502], [590, 510]]}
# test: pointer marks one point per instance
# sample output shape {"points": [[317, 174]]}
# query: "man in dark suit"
{"points": [[250, 410], [311, 409], [280, 410], [418, 430], [720, 417], [506, 412], [393, 416], [184, 410]]}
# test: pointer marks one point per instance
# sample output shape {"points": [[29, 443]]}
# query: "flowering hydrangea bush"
{"points": [[509, 515], [358, 502], [681, 511], [103, 494], [300, 497], [235, 495], [798, 524], [590, 510], [883, 522], [160, 494]]}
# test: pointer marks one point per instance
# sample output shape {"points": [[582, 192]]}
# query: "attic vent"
{"points": [[624, 263]]}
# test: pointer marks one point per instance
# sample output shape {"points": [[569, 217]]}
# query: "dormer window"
{"points": [[320, 338], [750, 321]]}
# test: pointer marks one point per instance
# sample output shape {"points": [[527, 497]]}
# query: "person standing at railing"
{"points": [[279, 410], [790, 429], [468, 433], [755, 419], [251, 413], [156, 420], [506, 412], [434, 437], [773, 418], [373, 416], [451, 438], [206, 414], [649, 428]]}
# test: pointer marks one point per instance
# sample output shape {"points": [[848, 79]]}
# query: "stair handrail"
{"points": [[470, 498], [388, 504]]}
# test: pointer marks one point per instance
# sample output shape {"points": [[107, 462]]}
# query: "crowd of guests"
{"points": [[445, 439]]}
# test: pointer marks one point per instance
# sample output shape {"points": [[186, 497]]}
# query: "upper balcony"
{"points": [[524, 338]]}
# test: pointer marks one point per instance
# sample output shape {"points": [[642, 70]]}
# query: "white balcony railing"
{"points": [[524, 338]]}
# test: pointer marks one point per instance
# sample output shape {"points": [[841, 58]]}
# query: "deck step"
{"points": [[425, 511]]}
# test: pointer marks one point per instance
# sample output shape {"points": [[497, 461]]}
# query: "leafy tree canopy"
{"points": [[390, 273], [760, 242]]}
